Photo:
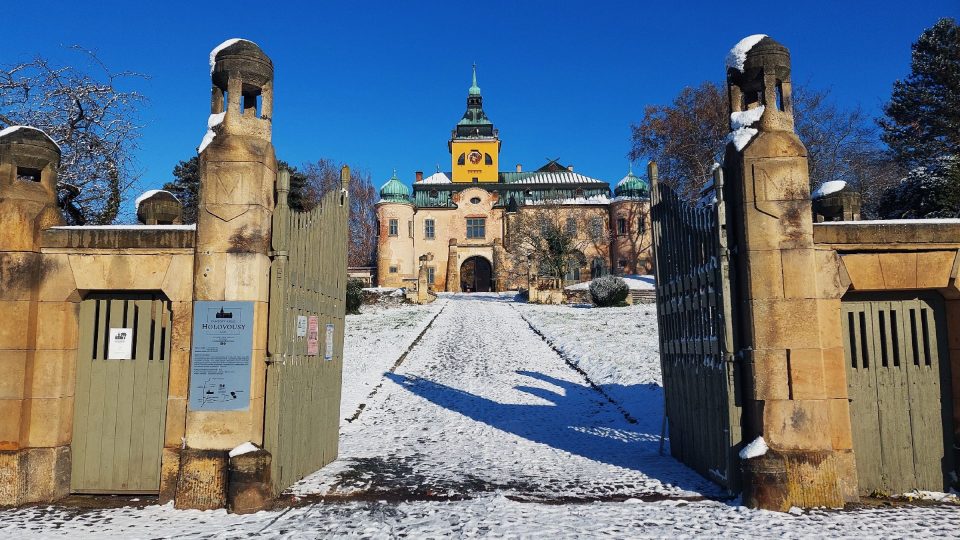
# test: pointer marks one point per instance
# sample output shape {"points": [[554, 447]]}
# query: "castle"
{"points": [[464, 224]]}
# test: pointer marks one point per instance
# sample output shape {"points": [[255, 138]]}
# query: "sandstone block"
{"points": [[175, 422], [50, 376], [14, 332], [120, 272], [797, 425], [10, 423], [13, 368], [19, 274], [831, 329], [770, 375], [182, 332], [864, 271], [899, 270], [933, 269], [57, 325], [179, 374], [44, 417], [169, 471], [249, 488], [806, 374], [785, 324], [831, 274], [835, 373], [57, 283], [841, 435], [799, 273], [202, 483], [178, 281], [766, 274]]}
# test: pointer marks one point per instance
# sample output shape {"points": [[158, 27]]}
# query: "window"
{"points": [[410, 229], [487, 160], [28, 175], [393, 269], [462, 159], [642, 224], [779, 96], [571, 226], [475, 180], [428, 229], [476, 227], [475, 200], [621, 225], [596, 228], [573, 271], [394, 228], [431, 274]]}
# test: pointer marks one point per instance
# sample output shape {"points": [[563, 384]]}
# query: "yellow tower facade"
{"points": [[474, 144]]}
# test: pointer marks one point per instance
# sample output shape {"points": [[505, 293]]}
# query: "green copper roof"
{"points": [[632, 186], [474, 89], [394, 190]]}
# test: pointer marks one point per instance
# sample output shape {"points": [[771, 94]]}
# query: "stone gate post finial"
{"points": [[759, 87]]}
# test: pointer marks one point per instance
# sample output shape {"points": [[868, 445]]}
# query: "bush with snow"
{"points": [[607, 291], [354, 296]]}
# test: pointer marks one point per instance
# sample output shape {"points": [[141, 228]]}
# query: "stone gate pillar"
{"points": [[238, 169], [36, 390], [791, 392], [453, 267]]}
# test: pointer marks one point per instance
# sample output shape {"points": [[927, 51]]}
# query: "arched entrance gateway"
{"points": [[476, 275]]}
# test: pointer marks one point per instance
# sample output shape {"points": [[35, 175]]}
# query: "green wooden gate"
{"points": [[308, 284], [120, 404], [695, 319], [898, 376]]}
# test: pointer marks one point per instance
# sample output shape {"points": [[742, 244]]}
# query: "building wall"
{"points": [[634, 247], [482, 171], [395, 251]]}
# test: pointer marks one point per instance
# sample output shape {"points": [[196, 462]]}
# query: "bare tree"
{"points": [[687, 137], [93, 120], [550, 240], [324, 175]]}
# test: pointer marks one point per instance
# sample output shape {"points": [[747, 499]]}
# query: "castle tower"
{"points": [[474, 145], [396, 259], [35, 453], [232, 263], [630, 224], [792, 401]]}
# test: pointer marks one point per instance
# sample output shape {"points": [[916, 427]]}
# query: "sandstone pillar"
{"points": [[787, 401], [232, 262], [453, 267], [36, 390]]}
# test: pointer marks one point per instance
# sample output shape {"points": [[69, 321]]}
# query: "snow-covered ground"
{"points": [[484, 430]]}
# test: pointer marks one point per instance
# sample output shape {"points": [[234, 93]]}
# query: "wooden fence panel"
{"points": [[308, 279]]}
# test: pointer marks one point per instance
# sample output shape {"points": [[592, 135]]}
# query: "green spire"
{"points": [[474, 89]]}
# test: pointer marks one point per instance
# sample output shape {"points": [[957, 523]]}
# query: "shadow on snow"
{"points": [[577, 420]]}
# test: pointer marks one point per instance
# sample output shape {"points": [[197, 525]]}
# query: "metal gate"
{"points": [[695, 319], [305, 343], [898, 376], [120, 400]]}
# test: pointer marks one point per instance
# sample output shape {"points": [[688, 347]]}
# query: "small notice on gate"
{"points": [[301, 325], [313, 335], [222, 352], [328, 345], [120, 346]]}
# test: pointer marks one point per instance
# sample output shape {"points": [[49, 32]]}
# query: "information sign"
{"points": [[222, 349]]}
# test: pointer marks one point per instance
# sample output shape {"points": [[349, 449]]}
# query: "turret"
{"points": [[395, 252], [758, 75], [29, 161]]}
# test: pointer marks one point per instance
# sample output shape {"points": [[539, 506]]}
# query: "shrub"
{"points": [[354, 296], [607, 291]]}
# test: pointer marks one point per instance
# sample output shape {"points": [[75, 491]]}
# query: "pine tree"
{"points": [[922, 128], [922, 120]]}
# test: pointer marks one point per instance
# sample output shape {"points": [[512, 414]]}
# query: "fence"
{"points": [[695, 319], [305, 341]]}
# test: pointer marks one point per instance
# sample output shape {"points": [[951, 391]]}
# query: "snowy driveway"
{"points": [[484, 431]]}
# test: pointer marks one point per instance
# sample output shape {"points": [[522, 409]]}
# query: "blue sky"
{"points": [[381, 85]]}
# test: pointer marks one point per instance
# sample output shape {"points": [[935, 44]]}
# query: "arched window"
{"points": [[462, 159], [487, 160]]}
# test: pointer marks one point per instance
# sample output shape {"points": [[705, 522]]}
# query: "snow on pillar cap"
{"points": [[243, 57], [28, 135]]}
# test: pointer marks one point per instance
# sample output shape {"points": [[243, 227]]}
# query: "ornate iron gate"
{"points": [[694, 313], [305, 342]]}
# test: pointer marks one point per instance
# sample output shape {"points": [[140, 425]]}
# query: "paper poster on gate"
{"points": [[220, 362], [120, 346], [301, 326], [328, 344], [313, 335]]}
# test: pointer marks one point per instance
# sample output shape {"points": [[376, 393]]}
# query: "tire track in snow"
{"points": [[569, 361], [395, 365]]}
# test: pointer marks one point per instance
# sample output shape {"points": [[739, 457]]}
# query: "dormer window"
{"points": [[27, 174]]}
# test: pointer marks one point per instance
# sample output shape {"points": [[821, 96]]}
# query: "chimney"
{"points": [[419, 176], [570, 168], [519, 168]]}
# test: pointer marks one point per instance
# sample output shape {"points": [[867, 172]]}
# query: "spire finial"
{"points": [[629, 167], [474, 89]]}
